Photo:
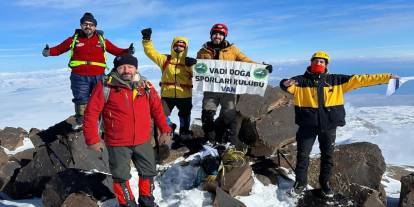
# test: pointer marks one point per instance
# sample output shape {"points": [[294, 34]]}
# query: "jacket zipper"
{"points": [[133, 115], [175, 78]]}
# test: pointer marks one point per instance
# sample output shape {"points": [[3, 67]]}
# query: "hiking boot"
{"points": [[326, 191], [298, 188]]}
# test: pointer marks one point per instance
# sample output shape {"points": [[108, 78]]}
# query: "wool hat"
{"points": [[125, 59], [88, 17]]}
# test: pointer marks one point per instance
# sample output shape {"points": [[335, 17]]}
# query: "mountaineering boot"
{"points": [[79, 112], [298, 189], [146, 186], [124, 194], [326, 190]]}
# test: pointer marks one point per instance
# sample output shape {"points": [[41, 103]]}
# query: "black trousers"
{"points": [[184, 106], [305, 138]]}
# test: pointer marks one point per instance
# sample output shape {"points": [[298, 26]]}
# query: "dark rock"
{"points": [[7, 173], [75, 181], [3, 157], [62, 148], [365, 197], [223, 199], [407, 191], [23, 157], [35, 138], [11, 137], [360, 163], [267, 123], [313, 198], [175, 153], [265, 171], [79, 199], [255, 106]]}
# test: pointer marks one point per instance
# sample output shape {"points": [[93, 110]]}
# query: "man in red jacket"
{"points": [[127, 103], [87, 61]]}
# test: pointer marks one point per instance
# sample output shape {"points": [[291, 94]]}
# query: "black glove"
{"points": [[268, 67], [131, 49], [146, 33], [46, 51], [190, 61]]}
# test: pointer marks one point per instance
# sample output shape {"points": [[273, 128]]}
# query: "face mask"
{"points": [[318, 68]]}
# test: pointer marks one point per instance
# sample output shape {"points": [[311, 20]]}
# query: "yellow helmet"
{"points": [[321, 54]]}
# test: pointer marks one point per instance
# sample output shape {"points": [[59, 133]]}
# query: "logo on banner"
{"points": [[260, 73], [201, 68]]}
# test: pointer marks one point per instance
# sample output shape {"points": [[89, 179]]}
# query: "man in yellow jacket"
{"points": [[319, 110], [219, 48], [176, 80]]}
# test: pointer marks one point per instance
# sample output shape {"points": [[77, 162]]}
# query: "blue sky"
{"points": [[372, 34]]}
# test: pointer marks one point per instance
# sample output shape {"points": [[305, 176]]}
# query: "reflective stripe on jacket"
{"points": [[87, 49]]}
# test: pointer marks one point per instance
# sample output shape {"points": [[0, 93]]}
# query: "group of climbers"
{"points": [[124, 102]]}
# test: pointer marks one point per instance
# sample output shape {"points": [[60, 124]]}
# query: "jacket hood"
{"points": [[181, 54]]}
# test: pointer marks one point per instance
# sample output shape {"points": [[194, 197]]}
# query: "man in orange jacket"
{"points": [[87, 61], [224, 128], [126, 107]]}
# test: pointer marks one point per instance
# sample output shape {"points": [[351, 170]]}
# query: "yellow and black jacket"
{"points": [[319, 98], [176, 77]]}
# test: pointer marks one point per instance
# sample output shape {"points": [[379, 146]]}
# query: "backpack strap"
{"points": [[106, 88], [106, 91]]}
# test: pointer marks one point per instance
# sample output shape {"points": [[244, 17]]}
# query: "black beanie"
{"points": [[125, 59], [88, 17]]}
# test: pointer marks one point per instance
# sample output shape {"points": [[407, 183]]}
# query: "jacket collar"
{"points": [[314, 76], [115, 80]]}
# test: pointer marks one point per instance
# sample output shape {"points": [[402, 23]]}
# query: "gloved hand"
{"points": [[46, 51], [131, 49], [268, 67], [190, 61], [98, 147], [146, 33]]}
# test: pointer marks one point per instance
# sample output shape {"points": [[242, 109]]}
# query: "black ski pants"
{"points": [[305, 138]]}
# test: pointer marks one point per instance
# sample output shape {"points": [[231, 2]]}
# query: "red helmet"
{"points": [[219, 28]]}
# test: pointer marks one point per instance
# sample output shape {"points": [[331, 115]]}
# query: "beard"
{"points": [[127, 76], [217, 41], [88, 32]]}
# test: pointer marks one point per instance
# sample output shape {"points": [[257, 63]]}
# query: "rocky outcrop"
{"points": [[11, 137], [407, 191], [360, 163], [75, 181], [56, 149], [79, 199], [268, 122]]}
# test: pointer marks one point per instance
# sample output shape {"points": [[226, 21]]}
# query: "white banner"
{"points": [[230, 77], [394, 84]]}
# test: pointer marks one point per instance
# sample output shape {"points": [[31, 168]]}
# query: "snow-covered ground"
{"points": [[41, 99]]}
